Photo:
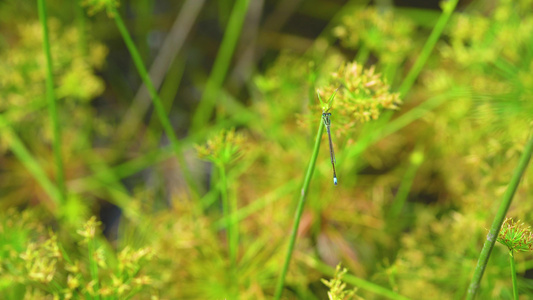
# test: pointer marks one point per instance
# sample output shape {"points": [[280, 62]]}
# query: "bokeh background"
{"points": [[429, 123]]}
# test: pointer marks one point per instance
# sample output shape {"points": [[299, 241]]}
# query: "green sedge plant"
{"points": [[361, 99], [223, 150], [499, 220]]}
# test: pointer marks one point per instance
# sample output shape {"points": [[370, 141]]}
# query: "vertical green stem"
{"points": [[93, 265], [220, 68], [409, 80], [144, 13], [168, 92], [31, 164], [362, 55], [405, 186], [498, 219], [513, 274], [158, 105], [227, 211], [52, 105], [234, 242], [80, 16], [299, 210]]}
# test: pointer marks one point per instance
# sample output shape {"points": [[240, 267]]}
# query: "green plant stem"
{"points": [[93, 265], [498, 219], [234, 242], [405, 185], [52, 103], [513, 274], [370, 136], [220, 68], [158, 105], [362, 55], [143, 11], [227, 211], [448, 9], [31, 164], [80, 16], [259, 204], [169, 89], [299, 210]]}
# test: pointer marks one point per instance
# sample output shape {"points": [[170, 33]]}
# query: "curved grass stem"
{"points": [[220, 68], [411, 77], [299, 210], [158, 104], [30, 163], [498, 219]]}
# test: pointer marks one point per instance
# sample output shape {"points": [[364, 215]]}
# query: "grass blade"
{"points": [[299, 210], [498, 219]]}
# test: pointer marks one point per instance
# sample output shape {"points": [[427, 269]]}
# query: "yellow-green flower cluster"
{"points": [[130, 260], [337, 288], [41, 260], [387, 35], [37, 260], [125, 279], [223, 149], [485, 39], [95, 6], [516, 235], [23, 65], [22, 86], [467, 46], [362, 94], [88, 232]]}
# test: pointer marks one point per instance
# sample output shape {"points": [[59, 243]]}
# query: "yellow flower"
{"points": [[222, 149], [362, 96]]}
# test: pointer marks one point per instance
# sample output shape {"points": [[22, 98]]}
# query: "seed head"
{"points": [[222, 149], [516, 236]]}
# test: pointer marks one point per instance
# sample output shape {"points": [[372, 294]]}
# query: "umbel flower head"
{"points": [[386, 34], [516, 236], [90, 229], [222, 149], [362, 94]]}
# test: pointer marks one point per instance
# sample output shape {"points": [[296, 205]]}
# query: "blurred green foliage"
{"points": [[419, 177]]}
